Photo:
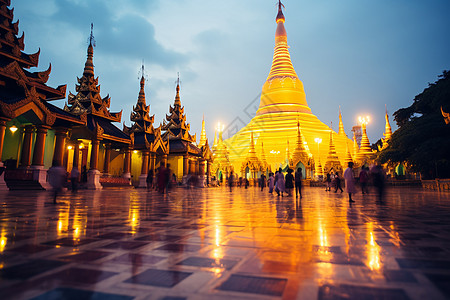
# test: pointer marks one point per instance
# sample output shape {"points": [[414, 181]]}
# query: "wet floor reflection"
{"points": [[319, 239]]}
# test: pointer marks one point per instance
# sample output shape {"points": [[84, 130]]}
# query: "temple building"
{"points": [[149, 149], [184, 156], [252, 166], [302, 157], [92, 144], [283, 104], [32, 131]]}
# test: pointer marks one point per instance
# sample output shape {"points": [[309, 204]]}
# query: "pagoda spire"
{"points": [[215, 140], [89, 65], [348, 157], [365, 144], [341, 124], [141, 98], [283, 91], [203, 133], [388, 130], [300, 152], [355, 145], [177, 97], [332, 158], [263, 154]]}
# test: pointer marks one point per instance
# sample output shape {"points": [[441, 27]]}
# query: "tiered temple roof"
{"points": [[176, 130], [341, 124], [332, 158], [300, 153], [20, 89], [203, 138], [88, 101], [145, 135]]}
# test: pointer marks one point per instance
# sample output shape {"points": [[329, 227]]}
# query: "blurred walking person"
{"points": [[231, 180], [363, 180], [378, 179], [271, 182], [298, 183], [349, 182], [289, 182], [337, 183], [74, 175], [56, 178]]}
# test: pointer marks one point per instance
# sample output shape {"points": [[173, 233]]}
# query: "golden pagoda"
{"points": [[387, 133], [365, 153], [252, 167], [301, 154], [221, 166], [282, 104], [332, 163]]}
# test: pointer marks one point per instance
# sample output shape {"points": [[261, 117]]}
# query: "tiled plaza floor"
{"points": [[213, 244]]}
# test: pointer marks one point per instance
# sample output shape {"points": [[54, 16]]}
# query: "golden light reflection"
{"points": [[79, 223], [373, 250], [133, 214], [3, 240], [217, 252], [63, 221]]}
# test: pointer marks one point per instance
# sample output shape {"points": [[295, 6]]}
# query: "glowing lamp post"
{"points": [[364, 121]]}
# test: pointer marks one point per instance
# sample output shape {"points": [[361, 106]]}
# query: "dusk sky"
{"points": [[357, 54]]}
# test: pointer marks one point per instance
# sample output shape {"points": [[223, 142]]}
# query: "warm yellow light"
{"points": [[13, 128], [220, 127], [81, 146], [318, 140], [364, 120], [135, 151], [69, 147]]}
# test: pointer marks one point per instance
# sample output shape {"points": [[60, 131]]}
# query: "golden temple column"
{"points": [[127, 164], [107, 159], [197, 167], [185, 165], [39, 174], [76, 155], [152, 162], [164, 160], [3, 186], [2, 138], [144, 169], [25, 160], [202, 167], [94, 154], [94, 173], [58, 153], [145, 155]]}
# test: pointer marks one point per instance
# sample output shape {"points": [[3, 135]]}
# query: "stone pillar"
{"points": [[39, 174], [208, 171], [190, 167], [94, 173], [58, 153], [25, 160], [185, 165], [144, 169], [3, 186], [107, 159], [127, 164]]}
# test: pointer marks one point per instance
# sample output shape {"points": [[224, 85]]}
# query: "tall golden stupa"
{"points": [[282, 107]]}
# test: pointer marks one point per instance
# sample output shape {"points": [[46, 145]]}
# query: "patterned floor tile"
{"points": [[161, 278], [254, 285]]}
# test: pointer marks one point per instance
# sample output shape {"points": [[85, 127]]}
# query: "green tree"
{"points": [[423, 139]]}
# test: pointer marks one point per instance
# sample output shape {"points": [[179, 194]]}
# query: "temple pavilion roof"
{"points": [[16, 81], [176, 130]]}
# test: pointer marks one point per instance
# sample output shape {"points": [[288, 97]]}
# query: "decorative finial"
{"points": [[91, 37], [280, 16]]}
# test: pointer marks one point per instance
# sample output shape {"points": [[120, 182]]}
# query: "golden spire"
{"points": [[341, 124], [251, 150], [141, 98], [332, 158], [283, 90], [355, 145], [365, 144], [89, 65], [349, 157], [203, 133], [177, 97], [388, 130], [263, 155]]}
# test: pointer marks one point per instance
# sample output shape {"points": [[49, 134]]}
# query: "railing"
{"points": [[437, 184]]}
